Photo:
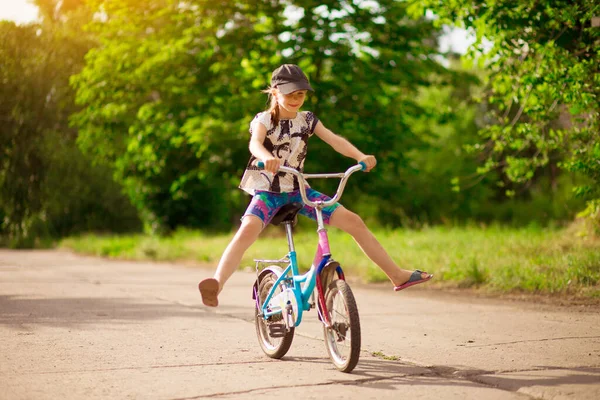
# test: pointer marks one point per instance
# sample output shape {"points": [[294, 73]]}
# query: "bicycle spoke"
{"points": [[343, 316]]}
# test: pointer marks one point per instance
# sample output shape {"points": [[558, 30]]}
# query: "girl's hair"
{"points": [[274, 106]]}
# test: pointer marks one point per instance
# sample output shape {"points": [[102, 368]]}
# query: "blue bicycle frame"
{"points": [[302, 286]]}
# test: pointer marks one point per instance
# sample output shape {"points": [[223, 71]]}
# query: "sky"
{"points": [[20, 11]]}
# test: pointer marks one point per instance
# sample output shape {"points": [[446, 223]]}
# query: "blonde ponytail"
{"points": [[274, 106]]}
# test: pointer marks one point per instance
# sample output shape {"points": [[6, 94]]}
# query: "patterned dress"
{"points": [[288, 142]]}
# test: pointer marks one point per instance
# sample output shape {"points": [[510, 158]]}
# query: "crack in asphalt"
{"points": [[345, 383], [132, 368], [532, 340]]}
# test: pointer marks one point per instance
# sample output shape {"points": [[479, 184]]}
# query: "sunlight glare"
{"points": [[19, 11]]}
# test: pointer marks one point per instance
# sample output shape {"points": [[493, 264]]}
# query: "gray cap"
{"points": [[289, 78]]}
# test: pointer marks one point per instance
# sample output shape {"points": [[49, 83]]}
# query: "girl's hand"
{"points": [[370, 161], [272, 165]]}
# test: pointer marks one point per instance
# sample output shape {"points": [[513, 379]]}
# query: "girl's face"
{"points": [[291, 102]]}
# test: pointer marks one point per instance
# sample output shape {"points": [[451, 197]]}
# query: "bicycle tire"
{"points": [[272, 346], [345, 326]]}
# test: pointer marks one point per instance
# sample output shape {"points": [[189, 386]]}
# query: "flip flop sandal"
{"points": [[414, 279], [209, 289]]}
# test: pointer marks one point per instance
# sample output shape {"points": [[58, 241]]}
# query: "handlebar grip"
{"points": [[364, 166], [260, 164]]}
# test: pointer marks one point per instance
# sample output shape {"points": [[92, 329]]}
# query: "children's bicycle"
{"points": [[283, 294]]}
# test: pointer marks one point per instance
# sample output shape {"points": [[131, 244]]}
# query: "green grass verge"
{"points": [[497, 259]]}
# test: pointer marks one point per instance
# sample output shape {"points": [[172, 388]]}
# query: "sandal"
{"points": [[209, 289], [414, 279]]}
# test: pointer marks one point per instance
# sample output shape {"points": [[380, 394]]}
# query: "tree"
{"points": [[168, 95], [369, 61], [37, 146], [31, 66], [544, 85]]}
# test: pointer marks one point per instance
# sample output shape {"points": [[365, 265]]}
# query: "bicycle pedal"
{"points": [[277, 330]]}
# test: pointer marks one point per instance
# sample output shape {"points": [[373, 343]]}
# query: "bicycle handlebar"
{"points": [[302, 181]]}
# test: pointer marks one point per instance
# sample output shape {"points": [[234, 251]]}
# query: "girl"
{"points": [[279, 137]]}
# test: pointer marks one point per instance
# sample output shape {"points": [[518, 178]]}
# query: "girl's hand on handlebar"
{"points": [[370, 162], [272, 165]]}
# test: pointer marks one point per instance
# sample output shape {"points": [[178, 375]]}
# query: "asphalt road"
{"points": [[75, 327]]}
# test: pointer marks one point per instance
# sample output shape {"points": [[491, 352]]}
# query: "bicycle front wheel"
{"points": [[343, 337], [274, 340]]}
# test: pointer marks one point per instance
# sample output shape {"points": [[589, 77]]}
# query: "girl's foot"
{"points": [[416, 277], [209, 289]]}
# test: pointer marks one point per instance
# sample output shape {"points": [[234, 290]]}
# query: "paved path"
{"points": [[75, 327]]}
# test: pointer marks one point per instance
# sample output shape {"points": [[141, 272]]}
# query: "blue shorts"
{"points": [[265, 204]]}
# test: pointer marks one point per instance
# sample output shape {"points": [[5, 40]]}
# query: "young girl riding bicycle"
{"points": [[280, 138]]}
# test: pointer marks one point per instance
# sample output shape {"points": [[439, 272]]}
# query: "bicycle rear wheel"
{"points": [[342, 339], [274, 340]]}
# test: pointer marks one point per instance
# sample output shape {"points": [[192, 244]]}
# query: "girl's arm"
{"points": [[343, 146], [259, 151]]}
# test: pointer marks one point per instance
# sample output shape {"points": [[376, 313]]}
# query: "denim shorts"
{"points": [[265, 204]]}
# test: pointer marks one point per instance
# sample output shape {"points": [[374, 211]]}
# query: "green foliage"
{"points": [[543, 90], [31, 69], [169, 88], [168, 95], [48, 187], [442, 163], [78, 197], [166, 105]]}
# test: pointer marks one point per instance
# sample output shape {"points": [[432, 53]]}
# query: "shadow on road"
{"points": [[390, 375], [545, 376], [367, 366], [17, 311]]}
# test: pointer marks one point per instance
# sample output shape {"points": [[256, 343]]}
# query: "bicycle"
{"points": [[283, 295]]}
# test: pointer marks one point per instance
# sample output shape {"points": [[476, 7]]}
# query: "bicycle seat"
{"points": [[287, 213]]}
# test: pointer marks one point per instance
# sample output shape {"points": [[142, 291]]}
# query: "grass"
{"points": [[383, 356], [494, 259]]}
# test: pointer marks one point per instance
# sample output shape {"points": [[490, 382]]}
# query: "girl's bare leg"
{"points": [[353, 224], [243, 239], [245, 236]]}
